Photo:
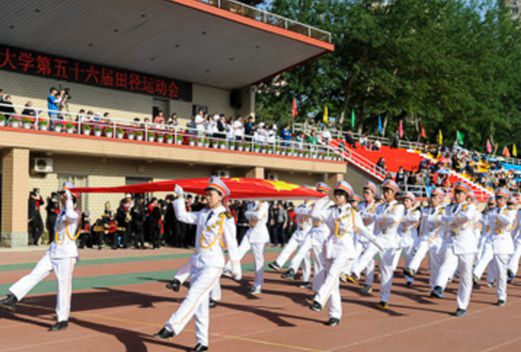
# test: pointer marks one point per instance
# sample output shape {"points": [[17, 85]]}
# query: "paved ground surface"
{"points": [[120, 300]]}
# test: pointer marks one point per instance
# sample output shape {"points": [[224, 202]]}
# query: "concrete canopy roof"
{"points": [[180, 39]]}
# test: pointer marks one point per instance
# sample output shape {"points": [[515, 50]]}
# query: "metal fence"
{"points": [[97, 126], [270, 18]]}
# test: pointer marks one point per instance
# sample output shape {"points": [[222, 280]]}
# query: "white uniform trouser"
{"points": [[318, 263], [330, 291], [63, 269], [464, 263], [435, 259], [513, 264], [387, 259], [195, 304], [258, 260], [184, 273], [292, 246], [408, 252], [369, 270], [501, 261]]}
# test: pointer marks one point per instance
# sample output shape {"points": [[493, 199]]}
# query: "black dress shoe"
{"points": [[501, 303], [212, 303], [174, 285], [290, 275], [9, 303], [460, 312], [164, 333], [199, 348], [437, 292], [510, 276], [317, 307], [61, 325], [333, 322], [409, 272], [274, 266]]}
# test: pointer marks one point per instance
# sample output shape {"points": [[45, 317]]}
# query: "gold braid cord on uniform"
{"points": [[57, 236], [337, 224], [219, 236]]}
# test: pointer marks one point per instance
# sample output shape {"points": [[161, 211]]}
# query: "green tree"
{"points": [[448, 64]]}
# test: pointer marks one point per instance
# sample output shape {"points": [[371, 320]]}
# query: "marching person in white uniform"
{"points": [[344, 223], [216, 231], [459, 247], [367, 209], [314, 242], [431, 238], [302, 212], [499, 244], [408, 231], [387, 217], [60, 258], [255, 239]]}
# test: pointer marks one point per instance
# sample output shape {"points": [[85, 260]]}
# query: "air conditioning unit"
{"points": [[273, 176], [223, 173], [43, 165]]}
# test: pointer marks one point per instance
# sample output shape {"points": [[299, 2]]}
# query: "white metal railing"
{"points": [[336, 133], [71, 123], [359, 161], [270, 18]]}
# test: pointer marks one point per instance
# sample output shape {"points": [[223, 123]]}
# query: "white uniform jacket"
{"points": [[408, 229], [319, 229], [366, 211], [258, 218], [431, 227], [502, 222], [216, 231], [303, 212], [387, 218], [460, 221], [65, 230]]}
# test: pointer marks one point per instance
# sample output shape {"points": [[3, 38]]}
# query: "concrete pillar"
{"points": [[255, 172], [247, 102], [15, 192], [332, 179]]}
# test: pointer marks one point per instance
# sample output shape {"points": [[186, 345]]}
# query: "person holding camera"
{"points": [[35, 218], [52, 209], [54, 101]]}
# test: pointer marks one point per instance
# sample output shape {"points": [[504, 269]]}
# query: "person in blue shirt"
{"points": [[286, 135], [53, 102]]}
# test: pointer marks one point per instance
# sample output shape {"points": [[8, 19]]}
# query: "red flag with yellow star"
{"points": [[240, 188]]}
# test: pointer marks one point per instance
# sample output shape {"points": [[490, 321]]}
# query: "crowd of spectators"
{"points": [[149, 222]]}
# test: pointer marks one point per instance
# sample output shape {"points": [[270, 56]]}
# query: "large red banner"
{"points": [[240, 188]]}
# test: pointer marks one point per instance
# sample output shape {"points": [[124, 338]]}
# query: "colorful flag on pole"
{"points": [[294, 111], [440, 138], [325, 115], [353, 119], [514, 150], [400, 128], [422, 132], [506, 152], [489, 146], [380, 126], [459, 137]]}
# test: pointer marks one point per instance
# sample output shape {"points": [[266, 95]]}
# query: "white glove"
{"points": [[178, 190]]}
